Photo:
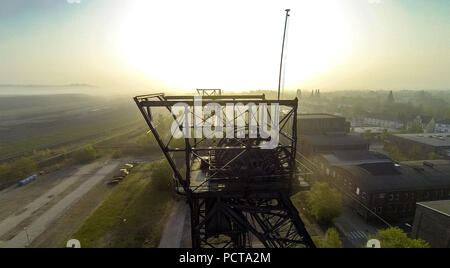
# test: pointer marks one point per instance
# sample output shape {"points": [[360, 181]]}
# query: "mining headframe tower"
{"points": [[237, 190]]}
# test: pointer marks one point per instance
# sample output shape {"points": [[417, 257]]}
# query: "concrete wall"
{"points": [[432, 227]]}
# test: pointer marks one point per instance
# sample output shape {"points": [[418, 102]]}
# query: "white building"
{"points": [[442, 126]]}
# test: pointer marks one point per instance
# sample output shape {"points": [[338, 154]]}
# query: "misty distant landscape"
{"points": [[49, 89]]}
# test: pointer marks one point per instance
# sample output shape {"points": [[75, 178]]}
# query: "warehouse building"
{"points": [[391, 190], [438, 143], [370, 180], [321, 124], [432, 223], [326, 133]]}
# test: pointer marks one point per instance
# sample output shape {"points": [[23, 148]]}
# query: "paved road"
{"points": [[353, 229], [48, 217], [11, 222], [177, 231]]}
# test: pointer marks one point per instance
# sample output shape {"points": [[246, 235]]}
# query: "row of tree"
{"points": [[324, 203]]}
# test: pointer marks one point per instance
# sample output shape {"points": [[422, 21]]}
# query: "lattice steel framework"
{"points": [[238, 192], [209, 92]]}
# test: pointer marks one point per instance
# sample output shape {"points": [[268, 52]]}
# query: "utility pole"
{"points": [[282, 52]]}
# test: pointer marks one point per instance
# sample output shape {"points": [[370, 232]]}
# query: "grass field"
{"points": [[133, 215], [35, 123], [47, 129]]}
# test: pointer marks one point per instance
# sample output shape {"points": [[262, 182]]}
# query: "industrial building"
{"points": [[325, 133], [391, 190], [432, 223], [313, 124], [372, 181], [438, 143]]}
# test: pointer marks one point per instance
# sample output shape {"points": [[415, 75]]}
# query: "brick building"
{"points": [[370, 180], [389, 189]]}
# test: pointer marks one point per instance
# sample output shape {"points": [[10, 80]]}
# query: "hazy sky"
{"points": [[234, 45]]}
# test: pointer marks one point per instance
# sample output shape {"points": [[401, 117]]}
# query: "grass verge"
{"points": [[132, 216]]}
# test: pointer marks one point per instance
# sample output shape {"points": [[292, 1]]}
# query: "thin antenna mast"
{"points": [[282, 53]]}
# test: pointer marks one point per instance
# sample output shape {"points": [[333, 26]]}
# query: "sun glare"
{"points": [[233, 46]]}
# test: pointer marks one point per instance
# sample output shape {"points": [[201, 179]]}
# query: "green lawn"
{"points": [[133, 215]]}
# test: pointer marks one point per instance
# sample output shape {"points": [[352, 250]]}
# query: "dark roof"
{"points": [[377, 173], [352, 158], [318, 116], [407, 178], [433, 139], [333, 140], [442, 206]]}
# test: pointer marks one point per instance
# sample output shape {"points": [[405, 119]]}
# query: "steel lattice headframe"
{"points": [[237, 190]]}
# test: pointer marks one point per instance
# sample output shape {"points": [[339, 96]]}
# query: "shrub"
{"points": [[15, 171], [85, 155], [117, 154], [325, 203], [162, 176], [396, 238], [332, 239]]}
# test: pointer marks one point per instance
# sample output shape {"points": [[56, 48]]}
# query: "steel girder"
{"points": [[247, 222], [237, 209]]}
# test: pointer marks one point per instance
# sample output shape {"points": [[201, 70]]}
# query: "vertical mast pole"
{"points": [[282, 52]]}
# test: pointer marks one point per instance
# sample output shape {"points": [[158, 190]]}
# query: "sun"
{"points": [[199, 44]]}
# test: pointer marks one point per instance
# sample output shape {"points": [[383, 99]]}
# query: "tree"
{"points": [[85, 155], [395, 153], [16, 170], [331, 240], [325, 203], [415, 128], [416, 153], [396, 238], [24, 167], [385, 135], [368, 136], [162, 176], [391, 99]]}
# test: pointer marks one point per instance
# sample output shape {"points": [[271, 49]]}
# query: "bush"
{"points": [[15, 171], [325, 203], [396, 238], [117, 154], [85, 155], [331, 240], [162, 176]]}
